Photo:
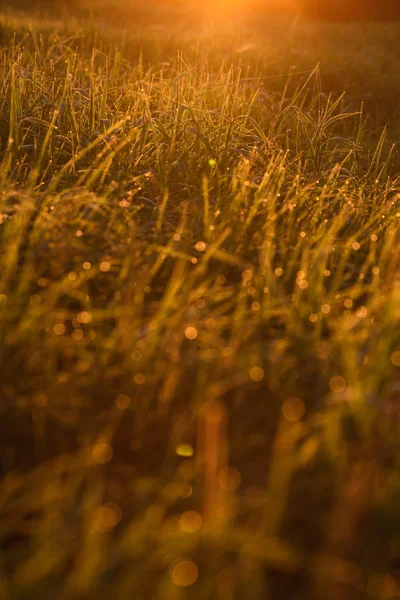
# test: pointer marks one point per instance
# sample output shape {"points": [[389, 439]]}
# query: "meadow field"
{"points": [[199, 307]]}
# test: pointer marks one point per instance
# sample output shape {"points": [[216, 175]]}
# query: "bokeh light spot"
{"points": [[106, 517], [105, 266], [191, 333], [102, 453], [85, 317], [184, 573], [293, 409], [395, 358], [185, 450], [190, 521], [337, 384], [247, 275], [77, 335], [229, 479], [256, 374], [59, 328], [122, 401]]}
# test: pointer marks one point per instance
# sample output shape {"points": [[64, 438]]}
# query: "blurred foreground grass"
{"points": [[199, 311]]}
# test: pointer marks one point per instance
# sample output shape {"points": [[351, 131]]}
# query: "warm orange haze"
{"points": [[199, 300], [335, 10]]}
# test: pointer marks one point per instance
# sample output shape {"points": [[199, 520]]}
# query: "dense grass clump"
{"points": [[199, 317]]}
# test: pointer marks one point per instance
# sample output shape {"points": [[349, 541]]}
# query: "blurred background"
{"points": [[335, 10]]}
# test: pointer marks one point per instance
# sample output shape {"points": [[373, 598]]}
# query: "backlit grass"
{"points": [[199, 315]]}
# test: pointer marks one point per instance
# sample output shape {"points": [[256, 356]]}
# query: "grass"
{"points": [[199, 309]]}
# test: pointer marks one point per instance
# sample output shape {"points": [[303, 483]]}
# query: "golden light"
{"points": [[395, 358], [102, 453], [185, 450], [293, 409], [229, 479], [184, 573], [106, 517], [337, 384], [122, 401], [256, 374], [190, 521]]}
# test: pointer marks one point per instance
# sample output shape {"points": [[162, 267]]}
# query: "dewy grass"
{"points": [[199, 322]]}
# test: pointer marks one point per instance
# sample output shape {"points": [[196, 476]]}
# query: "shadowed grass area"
{"points": [[199, 310]]}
